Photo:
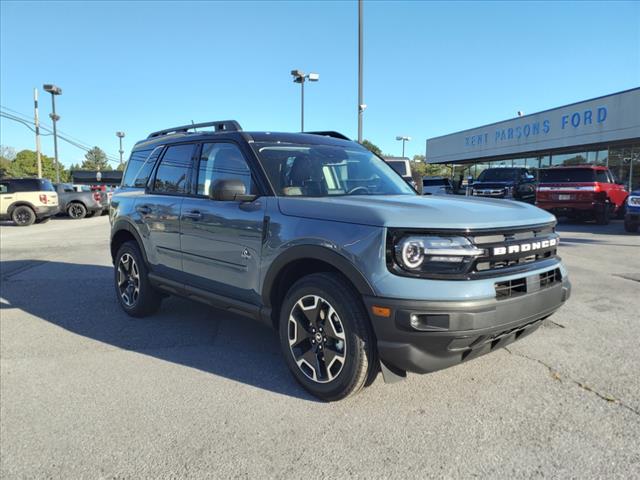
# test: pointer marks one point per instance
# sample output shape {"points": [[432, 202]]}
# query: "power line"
{"points": [[28, 124], [66, 137]]}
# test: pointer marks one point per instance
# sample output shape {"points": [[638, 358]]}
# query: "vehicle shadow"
{"points": [[182, 332]]}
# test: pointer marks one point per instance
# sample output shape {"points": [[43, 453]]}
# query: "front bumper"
{"points": [[452, 332]]}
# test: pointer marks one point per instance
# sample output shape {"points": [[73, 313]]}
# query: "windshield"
{"points": [[567, 175], [498, 175], [328, 170], [399, 166]]}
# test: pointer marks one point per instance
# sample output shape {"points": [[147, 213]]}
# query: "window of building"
{"points": [[624, 163], [174, 171], [222, 161], [569, 159], [597, 157]]}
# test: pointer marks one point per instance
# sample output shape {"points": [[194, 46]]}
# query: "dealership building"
{"points": [[600, 131]]}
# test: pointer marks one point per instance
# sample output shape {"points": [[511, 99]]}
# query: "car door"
{"points": [[617, 193], [158, 210], [221, 240]]}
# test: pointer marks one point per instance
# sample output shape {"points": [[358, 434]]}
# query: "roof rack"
{"points": [[220, 126], [330, 133]]}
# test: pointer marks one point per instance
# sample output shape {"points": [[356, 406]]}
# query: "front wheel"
{"points": [[136, 295], [326, 337], [630, 226]]}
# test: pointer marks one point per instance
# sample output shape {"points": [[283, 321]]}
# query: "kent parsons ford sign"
{"points": [[604, 119]]}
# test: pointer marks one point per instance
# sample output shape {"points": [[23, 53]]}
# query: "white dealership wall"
{"points": [[601, 120]]}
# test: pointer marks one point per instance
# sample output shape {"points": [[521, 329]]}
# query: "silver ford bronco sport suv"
{"points": [[316, 236]]}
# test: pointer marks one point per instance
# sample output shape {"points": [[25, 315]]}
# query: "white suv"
{"points": [[27, 200]]}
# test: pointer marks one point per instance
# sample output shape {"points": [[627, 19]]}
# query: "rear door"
{"points": [[221, 240], [159, 209]]}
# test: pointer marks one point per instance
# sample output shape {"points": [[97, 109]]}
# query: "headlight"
{"points": [[634, 200], [433, 254]]}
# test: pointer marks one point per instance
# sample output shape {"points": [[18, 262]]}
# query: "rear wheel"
{"points": [[136, 295], [77, 211], [23, 216], [326, 337]]}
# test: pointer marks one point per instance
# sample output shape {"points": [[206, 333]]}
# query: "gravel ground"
{"points": [[87, 392]]}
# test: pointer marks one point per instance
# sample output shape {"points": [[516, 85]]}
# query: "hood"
{"points": [[409, 211], [508, 183]]}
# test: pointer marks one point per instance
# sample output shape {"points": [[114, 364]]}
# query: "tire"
{"points": [[630, 226], [603, 217], [76, 210], [23, 216], [43, 220], [335, 326], [135, 294]]}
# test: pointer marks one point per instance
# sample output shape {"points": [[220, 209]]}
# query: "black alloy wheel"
{"points": [[23, 216], [77, 211]]}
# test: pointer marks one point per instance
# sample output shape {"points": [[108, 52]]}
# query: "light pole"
{"points": [[120, 136], [54, 90], [404, 139], [361, 104], [300, 77]]}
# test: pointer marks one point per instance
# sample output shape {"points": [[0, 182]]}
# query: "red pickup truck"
{"points": [[581, 192]]}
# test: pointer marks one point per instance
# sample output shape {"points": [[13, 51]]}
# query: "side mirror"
{"points": [[230, 190]]}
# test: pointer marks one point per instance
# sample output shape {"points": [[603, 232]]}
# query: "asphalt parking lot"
{"points": [[87, 392]]}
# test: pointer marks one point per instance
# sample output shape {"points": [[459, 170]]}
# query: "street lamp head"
{"points": [[120, 134], [314, 77], [402, 137], [52, 89], [54, 117]]}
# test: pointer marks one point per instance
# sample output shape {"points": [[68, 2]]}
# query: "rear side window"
{"points": [[174, 171], [4, 187], [400, 167], [222, 161], [27, 185], [139, 168], [567, 175]]}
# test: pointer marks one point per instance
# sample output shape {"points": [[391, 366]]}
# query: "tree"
{"points": [[372, 147], [96, 159], [25, 164], [7, 153]]}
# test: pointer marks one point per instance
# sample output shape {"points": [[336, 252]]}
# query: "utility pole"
{"points": [[36, 121], [361, 105]]}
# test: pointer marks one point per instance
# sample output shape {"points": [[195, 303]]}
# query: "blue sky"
{"points": [[430, 68]]}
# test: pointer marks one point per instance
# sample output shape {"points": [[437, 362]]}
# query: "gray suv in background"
{"points": [[316, 236]]}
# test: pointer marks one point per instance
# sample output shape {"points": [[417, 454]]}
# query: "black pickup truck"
{"points": [[506, 182]]}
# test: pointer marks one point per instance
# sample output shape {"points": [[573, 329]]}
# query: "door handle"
{"points": [[144, 209], [193, 214]]}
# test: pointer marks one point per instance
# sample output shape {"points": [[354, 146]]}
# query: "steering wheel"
{"points": [[355, 189]]}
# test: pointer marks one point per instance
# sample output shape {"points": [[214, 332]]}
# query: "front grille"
{"points": [[521, 286], [519, 248]]}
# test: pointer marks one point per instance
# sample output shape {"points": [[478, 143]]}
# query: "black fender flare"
{"points": [[20, 203], [121, 225], [313, 252]]}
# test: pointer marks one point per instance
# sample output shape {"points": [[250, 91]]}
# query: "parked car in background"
{"points": [[27, 200], [582, 192], [105, 196], [505, 182], [632, 213], [436, 186], [76, 204], [403, 167]]}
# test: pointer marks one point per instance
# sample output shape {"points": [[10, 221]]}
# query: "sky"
{"points": [[430, 68]]}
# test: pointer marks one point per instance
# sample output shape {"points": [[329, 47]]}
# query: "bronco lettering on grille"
{"points": [[525, 247]]}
